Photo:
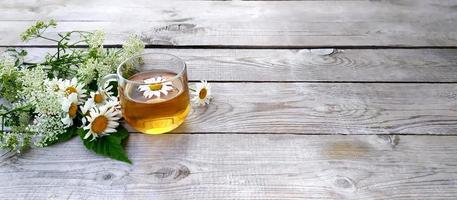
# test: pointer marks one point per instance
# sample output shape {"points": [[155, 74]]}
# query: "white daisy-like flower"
{"points": [[53, 84], [85, 110], [113, 103], [102, 96], [202, 93], [102, 121], [70, 108], [72, 86], [155, 87]]}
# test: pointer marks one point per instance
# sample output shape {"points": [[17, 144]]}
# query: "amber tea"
{"points": [[155, 108]]}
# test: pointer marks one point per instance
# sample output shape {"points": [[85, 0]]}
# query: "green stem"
{"points": [[30, 63], [80, 32], [3, 124], [58, 50], [193, 90], [72, 45], [46, 38], [23, 108]]}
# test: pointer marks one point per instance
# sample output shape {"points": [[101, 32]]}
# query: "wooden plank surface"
{"points": [[327, 108], [312, 65], [274, 128], [241, 167], [245, 23], [316, 108]]}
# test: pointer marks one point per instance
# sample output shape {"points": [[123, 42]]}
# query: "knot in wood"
{"points": [[345, 183], [177, 173], [107, 176], [393, 140]]}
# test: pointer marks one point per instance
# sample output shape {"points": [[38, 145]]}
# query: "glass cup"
{"points": [[153, 92]]}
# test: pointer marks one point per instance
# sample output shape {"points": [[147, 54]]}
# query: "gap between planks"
{"points": [[208, 47]]}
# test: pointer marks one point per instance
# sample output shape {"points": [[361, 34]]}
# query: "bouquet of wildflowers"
{"points": [[59, 98]]}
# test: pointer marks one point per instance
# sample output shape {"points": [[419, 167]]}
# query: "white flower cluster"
{"points": [[72, 105], [106, 61], [46, 128], [101, 113], [133, 46], [87, 71], [69, 103], [6, 65], [96, 39], [39, 91], [58, 102]]}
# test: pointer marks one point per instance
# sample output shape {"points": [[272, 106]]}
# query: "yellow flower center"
{"points": [[72, 110], [98, 98], [155, 86], [70, 90], [202, 93], [99, 124]]}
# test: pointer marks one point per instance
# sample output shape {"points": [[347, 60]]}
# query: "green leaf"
{"points": [[69, 133], [110, 145]]}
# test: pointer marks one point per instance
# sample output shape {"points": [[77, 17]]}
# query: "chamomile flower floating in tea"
{"points": [[202, 93], [155, 87], [70, 108], [102, 121]]}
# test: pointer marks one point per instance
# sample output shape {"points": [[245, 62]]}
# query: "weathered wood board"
{"points": [[245, 23], [312, 65], [324, 108], [241, 166], [372, 116]]}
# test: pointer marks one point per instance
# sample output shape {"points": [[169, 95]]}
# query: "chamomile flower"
{"points": [[72, 86], [102, 96], [202, 93], [113, 103], [53, 84], [102, 121], [155, 87], [70, 108], [85, 110]]}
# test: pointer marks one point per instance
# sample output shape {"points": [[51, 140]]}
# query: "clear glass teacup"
{"points": [[153, 92]]}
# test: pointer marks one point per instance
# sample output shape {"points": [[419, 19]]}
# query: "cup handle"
{"points": [[106, 79]]}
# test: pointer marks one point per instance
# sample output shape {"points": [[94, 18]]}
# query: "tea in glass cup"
{"points": [[153, 92]]}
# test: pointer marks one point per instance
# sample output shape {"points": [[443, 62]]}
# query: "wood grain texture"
{"points": [[316, 108], [315, 65], [245, 23], [230, 166]]}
